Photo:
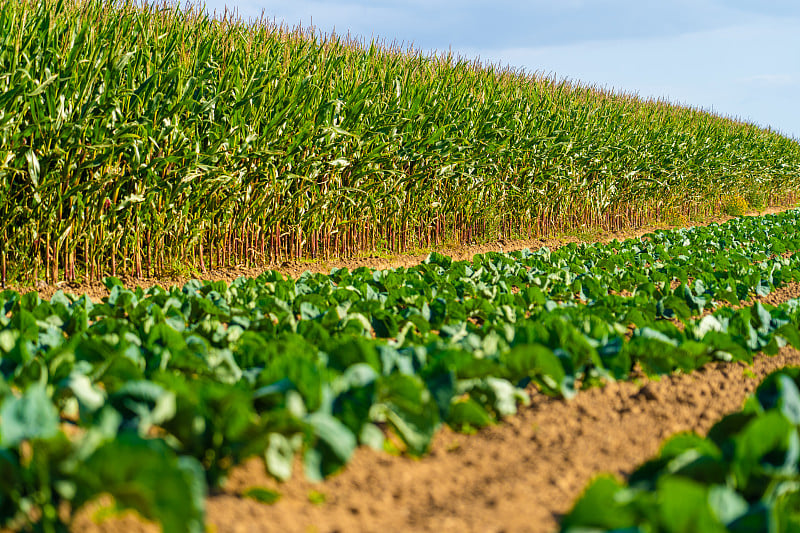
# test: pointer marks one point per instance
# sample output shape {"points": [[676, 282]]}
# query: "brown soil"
{"points": [[520, 475], [97, 290], [778, 296]]}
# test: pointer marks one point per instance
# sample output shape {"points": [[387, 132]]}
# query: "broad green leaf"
{"points": [[467, 414], [31, 416], [410, 409], [601, 507], [726, 503], [779, 390], [262, 495], [685, 507], [334, 445], [280, 455], [145, 475]]}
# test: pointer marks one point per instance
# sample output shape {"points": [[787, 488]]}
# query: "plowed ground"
{"points": [[519, 475]]}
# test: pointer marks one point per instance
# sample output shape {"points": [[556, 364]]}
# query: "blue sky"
{"points": [[737, 58]]}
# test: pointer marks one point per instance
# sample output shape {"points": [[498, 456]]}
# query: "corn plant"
{"points": [[134, 137]]}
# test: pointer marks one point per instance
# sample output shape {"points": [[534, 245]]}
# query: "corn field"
{"points": [[136, 136]]}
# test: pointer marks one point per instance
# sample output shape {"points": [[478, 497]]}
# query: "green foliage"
{"points": [[756, 199], [316, 497], [734, 204], [262, 495], [743, 477], [31, 416], [140, 137], [189, 382], [145, 475]]}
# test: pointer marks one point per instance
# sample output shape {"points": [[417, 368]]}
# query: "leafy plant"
{"points": [[743, 477], [734, 204], [188, 382]]}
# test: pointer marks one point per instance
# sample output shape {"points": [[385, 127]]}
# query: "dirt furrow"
{"points": [[516, 476], [519, 475]]}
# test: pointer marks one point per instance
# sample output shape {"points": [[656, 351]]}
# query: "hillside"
{"points": [[141, 139]]}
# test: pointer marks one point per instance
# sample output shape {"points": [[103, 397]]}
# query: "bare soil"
{"points": [[519, 475]]}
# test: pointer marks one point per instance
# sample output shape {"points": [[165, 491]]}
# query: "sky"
{"points": [[736, 58]]}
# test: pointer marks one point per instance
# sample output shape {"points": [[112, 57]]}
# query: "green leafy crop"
{"points": [[189, 382], [745, 476]]}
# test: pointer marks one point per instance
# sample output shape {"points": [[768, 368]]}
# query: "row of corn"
{"points": [[135, 138]]}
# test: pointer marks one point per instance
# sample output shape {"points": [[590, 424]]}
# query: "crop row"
{"points": [[167, 390], [134, 137], [744, 476]]}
